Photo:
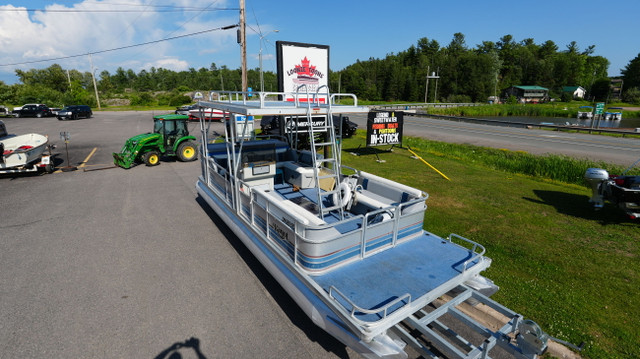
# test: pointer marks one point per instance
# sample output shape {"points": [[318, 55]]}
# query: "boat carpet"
{"points": [[307, 198], [415, 267]]}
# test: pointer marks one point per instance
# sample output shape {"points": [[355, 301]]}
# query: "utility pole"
{"points": [[432, 76], [426, 87], [242, 40], [95, 87], [260, 56]]}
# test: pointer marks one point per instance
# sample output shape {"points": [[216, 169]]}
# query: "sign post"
{"points": [[384, 128], [599, 108], [66, 136], [598, 112]]}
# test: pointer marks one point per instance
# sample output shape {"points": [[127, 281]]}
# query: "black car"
{"points": [[33, 110], [74, 112], [184, 110]]}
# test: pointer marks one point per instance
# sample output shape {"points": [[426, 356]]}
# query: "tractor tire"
{"points": [[187, 151], [151, 158]]}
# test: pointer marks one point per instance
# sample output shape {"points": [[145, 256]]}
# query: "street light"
{"points": [[260, 57]]}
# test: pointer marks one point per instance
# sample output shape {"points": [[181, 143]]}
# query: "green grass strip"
{"points": [[574, 271]]}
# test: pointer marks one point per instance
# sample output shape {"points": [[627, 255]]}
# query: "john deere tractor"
{"points": [[170, 137]]}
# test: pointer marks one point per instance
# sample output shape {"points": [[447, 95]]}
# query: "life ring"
{"points": [[346, 192]]}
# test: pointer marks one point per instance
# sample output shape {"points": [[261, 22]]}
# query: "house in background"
{"points": [[528, 94], [577, 92]]}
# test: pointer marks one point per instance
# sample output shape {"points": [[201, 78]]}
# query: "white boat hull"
{"points": [[23, 150], [349, 249], [309, 302], [207, 114]]}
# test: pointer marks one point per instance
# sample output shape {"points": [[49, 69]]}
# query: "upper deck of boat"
{"points": [[270, 103]]}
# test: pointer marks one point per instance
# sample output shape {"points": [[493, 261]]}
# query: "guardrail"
{"points": [[415, 106], [531, 125]]}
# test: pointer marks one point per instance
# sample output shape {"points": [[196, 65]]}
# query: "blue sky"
{"points": [[354, 30]]}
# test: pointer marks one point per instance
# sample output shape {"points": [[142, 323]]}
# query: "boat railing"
{"points": [[274, 100], [382, 311], [476, 249], [339, 96]]}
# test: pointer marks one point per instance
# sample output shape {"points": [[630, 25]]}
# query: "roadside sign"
{"points": [[65, 136], [384, 128], [599, 108]]}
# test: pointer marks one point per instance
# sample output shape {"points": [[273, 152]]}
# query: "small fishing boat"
{"points": [[613, 114], [621, 190], [205, 113], [585, 112], [21, 152], [347, 245]]}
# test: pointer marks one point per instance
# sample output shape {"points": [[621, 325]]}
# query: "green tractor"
{"points": [[170, 137]]}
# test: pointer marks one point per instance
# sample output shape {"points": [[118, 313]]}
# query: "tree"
{"points": [[631, 73], [600, 89], [632, 95]]}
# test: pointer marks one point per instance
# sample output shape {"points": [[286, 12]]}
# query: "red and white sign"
{"points": [[303, 69]]}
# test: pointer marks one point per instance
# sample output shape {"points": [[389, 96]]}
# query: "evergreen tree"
{"points": [[631, 73]]}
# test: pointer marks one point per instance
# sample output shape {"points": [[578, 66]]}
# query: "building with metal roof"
{"points": [[528, 94]]}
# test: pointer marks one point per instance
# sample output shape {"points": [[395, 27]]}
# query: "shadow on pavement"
{"points": [[175, 351], [286, 303]]}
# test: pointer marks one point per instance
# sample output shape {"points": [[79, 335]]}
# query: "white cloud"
{"points": [[34, 36], [168, 64]]}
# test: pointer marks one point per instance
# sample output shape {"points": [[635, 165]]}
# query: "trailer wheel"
{"points": [[187, 151], [151, 158]]}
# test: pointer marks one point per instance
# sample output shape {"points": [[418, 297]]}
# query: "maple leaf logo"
{"points": [[305, 69]]}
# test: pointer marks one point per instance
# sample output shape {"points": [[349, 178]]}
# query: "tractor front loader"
{"points": [[170, 137]]}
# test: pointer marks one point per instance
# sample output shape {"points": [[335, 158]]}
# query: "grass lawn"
{"points": [[574, 271]]}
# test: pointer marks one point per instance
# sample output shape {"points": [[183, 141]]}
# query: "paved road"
{"points": [[130, 263], [623, 151]]}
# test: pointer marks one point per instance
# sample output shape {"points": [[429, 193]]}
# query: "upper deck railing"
{"points": [[272, 103]]}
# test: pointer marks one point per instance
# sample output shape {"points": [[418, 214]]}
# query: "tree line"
{"points": [[465, 74], [473, 74]]}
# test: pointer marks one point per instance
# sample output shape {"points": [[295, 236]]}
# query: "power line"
{"points": [[123, 47], [181, 25], [172, 9]]}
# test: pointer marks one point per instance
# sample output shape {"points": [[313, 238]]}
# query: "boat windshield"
{"points": [[258, 153]]}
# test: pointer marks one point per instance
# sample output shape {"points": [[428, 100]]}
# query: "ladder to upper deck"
{"points": [[326, 168]]}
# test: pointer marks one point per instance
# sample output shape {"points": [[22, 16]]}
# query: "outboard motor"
{"points": [[595, 177]]}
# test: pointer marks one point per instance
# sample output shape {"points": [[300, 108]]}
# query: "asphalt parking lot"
{"points": [[114, 263]]}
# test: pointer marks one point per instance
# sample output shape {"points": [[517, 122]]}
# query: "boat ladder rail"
{"points": [[440, 326], [325, 130]]}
